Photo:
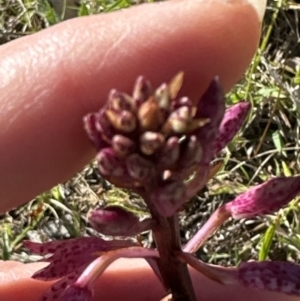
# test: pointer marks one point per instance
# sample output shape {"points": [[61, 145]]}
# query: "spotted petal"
{"points": [[233, 119], [282, 277], [55, 291], [69, 255], [274, 276], [264, 198]]}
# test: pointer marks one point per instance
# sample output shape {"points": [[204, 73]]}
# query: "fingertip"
{"points": [[50, 80]]}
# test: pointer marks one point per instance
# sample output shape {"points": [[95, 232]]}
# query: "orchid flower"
{"points": [[160, 145]]}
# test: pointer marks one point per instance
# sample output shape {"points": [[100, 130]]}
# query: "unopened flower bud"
{"points": [[124, 121], [151, 142], [178, 121], [142, 90], [175, 84], [196, 124], [114, 221], [233, 119], [109, 163], [123, 145], [118, 101], [184, 101], [150, 116], [162, 97], [139, 168], [104, 126], [94, 135], [264, 198], [169, 154], [192, 152]]}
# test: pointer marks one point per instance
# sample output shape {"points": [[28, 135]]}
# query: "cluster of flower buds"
{"points": [[161, 146], [153, 140], [147, 139]]}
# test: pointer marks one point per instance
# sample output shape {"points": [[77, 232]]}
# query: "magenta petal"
{"points": [[282, 277], [265, 198], [233, 119], [43, 248], [55, 291], [59, 268], [69, 255]]}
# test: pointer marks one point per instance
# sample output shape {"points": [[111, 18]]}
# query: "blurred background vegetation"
{"points": [[268, 145]]}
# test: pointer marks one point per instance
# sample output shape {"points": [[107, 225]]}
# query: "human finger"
{"points": [[127, 280], [51, 79]]}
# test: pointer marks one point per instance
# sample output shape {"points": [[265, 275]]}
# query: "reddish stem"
{"points": [[174, 272]]}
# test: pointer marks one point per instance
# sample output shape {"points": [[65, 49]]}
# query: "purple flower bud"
{"points": [[282, 277], [169, 154], [140, 168], [162, 97], [169, 198], [150, 116], [178, 121], [116, 221], [94, 135], [233, 119], [142, 90], [104, 126], [175, 84], [118, 101], [264, 198], [192, 152], [184, 101], [109, 163], [123, 145], [123, 121], [151, 142]]}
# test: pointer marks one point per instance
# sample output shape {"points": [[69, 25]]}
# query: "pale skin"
{"points": [[50, 80]]}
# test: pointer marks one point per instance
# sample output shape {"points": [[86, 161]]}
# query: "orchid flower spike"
{"points": [[154, 140], [160, 145]]}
